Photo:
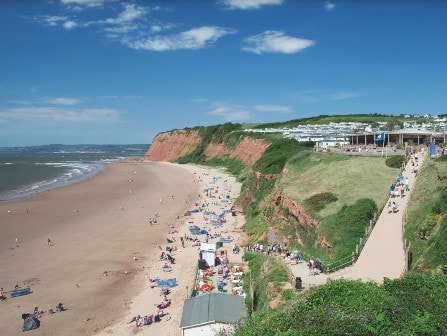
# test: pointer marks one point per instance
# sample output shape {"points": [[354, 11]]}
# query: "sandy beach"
{"points": [[95, 226], [185, 267], [98, 226]]}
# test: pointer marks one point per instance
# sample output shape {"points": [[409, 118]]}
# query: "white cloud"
{"points": [[229, 112], [84, 3], [249, 4], [130, 13], [329, 6], [273, 41], [341, 95], [63, 101], [156, 28], [195, 38], [69, 25], [58, 114], [55, 20], [50, 20], [273, 108]]}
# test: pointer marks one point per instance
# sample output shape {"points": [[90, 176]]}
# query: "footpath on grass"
{"points": [[383, 255]]}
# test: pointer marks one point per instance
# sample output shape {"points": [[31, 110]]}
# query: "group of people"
{"points": [[399, 187], [37, 312], [315, 266]]}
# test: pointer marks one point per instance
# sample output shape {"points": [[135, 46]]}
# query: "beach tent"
{"points": [[20, 292], [194, 229], [208, 253], [166, 283], [30, 323]]}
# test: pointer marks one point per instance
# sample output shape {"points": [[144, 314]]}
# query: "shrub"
{"points": [[317, 202], [395, 161], [347, 226], [413, 305]]}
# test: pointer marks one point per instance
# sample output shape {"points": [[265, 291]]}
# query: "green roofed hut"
{"points": [[211, 314]]}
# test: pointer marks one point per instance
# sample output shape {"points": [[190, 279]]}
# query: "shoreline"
{"points": [[98, 225], [58, 181]]}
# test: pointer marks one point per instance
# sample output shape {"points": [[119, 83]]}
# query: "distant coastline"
{"points": [[29, 171]]}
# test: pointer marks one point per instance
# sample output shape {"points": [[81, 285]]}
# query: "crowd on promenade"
{"points": [[287, 255]]}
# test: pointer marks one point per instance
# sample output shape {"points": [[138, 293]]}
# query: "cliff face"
{"points": [[170, 146], [247, 151], [296, 210]]}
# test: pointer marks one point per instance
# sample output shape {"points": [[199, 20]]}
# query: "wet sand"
{"points": [[97, 225]]}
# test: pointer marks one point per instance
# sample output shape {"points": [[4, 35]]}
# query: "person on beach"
{"points": [[49, 242], [134, 319]]}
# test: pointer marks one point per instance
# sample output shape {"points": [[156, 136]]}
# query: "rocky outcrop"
{"points": [[296, 210], [247, 151], [261, 176], [170, 146]]}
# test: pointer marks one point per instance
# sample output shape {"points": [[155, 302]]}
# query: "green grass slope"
{"points": [[349, 178], [426, 224]]}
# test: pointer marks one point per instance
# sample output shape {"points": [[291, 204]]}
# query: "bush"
{"points": [[347, 226], [395, 161], [317, 202], [413, 305]]}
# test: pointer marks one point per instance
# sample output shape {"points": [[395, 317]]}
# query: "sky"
{"points": [[115, 71]]}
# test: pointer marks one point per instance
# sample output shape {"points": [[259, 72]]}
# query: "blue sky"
{"points": [[114, 71]]}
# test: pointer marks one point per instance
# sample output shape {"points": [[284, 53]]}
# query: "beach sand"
{"points": [[185, 267], [96, 225]]}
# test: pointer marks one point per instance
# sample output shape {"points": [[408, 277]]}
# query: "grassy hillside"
{"points": [[349, 178], [413, 305], [426, 225]]}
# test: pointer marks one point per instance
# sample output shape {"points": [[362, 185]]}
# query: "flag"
{"points": [[381, 137]]}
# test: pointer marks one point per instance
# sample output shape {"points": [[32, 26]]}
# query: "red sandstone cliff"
{"points": [[248, 150], [170, 146], [295, 209]]}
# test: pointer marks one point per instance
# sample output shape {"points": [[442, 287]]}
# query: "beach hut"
{"points": [[211, 314], [208, 253]]}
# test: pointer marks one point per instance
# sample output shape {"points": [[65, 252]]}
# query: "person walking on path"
{"points": [[49, 242]]}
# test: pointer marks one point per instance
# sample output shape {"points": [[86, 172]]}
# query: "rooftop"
{"points": [[214, 307]]}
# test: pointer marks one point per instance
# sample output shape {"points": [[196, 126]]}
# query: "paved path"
{"points": [[383, 255]]}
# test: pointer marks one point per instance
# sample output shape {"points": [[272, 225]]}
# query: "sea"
{"points": [[26, 171]]}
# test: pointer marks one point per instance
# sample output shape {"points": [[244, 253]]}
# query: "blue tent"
{"points": [[30, 323], [166, 283]]}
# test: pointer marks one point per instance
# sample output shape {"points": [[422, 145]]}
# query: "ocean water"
{"points": [[26, 171]]}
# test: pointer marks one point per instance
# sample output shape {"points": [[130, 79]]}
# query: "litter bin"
{"points": [[298, 283]]}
